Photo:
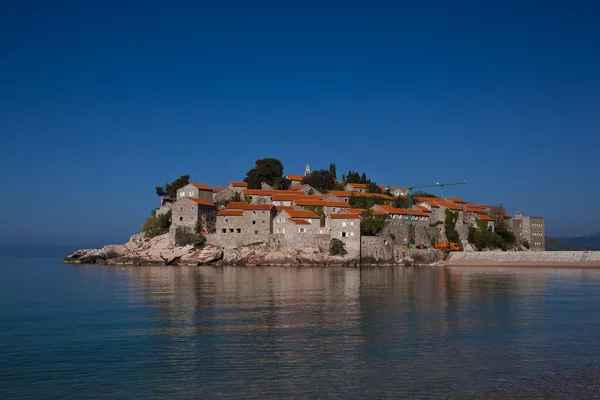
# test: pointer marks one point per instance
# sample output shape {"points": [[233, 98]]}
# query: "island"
{"points": [[313, 219]]}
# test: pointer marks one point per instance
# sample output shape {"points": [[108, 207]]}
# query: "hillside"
{"points": [[554, 244], [589, 242]]}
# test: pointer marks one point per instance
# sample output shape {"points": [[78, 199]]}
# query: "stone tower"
{"points": [[307, 170]]}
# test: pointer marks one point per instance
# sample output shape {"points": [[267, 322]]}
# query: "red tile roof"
{"points": [[239, 184], [216, 190], [319, 203], [298, 187], [457, 200], [301, 214], [259, 206], [168, 199], [344, 216], [201, 186], [289, 196], [359, 185], [238, 205], [299, 221], [203, 202], [448, 204], [341, 193], [402, 211], [485, 218], [231, 213], [269, 193], [294, 177]]}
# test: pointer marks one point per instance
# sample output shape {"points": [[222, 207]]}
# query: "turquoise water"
{"points": [[71, 331]]}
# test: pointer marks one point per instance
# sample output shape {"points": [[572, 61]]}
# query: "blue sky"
{"points": [[102, 101]]}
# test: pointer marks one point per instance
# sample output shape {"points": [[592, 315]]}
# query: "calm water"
{"points": [[200, 332]]}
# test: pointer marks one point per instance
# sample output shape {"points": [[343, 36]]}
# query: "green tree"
{"points": [[332, 170], [373, 188], [320, 179], [450, 226], [269, 170], [157, 225], [170, 189], [337, 247], [371, 225]]}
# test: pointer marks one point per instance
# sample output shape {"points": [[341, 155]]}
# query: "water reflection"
{"points": [[290, 332]]}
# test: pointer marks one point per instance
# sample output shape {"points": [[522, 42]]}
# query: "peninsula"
{"points": [[312, 219]]}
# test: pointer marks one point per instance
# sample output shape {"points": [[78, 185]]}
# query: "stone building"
{"points": [[356, 187], [222, 194], [188, 212], [238, 187], [255, 220], [197, 190], [295, 179], [306, 189], [345, 227], [166, 204], [490, 226], [293, 222], [328, 207], [530, 229]]}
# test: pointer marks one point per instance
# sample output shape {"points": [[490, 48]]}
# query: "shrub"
{"points": [[337, 247], [433, 242], [450, 223], [200, 241], [371, 225], [436, 223], [157, 225]]}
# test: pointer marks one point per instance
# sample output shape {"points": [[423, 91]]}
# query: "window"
{"points": [[226, 219], [191, 194], [263, 222], [345, 200], [344, 234], [302, 230], [181, 218], [253, 222], [344, 223], [254, 212], [239, 230], [278, 230], [224, 230], [334, 209], [351, 233], [283, 230], [231, 230], [256, 232], [263, 212], [351, 223]]}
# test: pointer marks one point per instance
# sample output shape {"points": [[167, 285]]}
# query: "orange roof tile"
{"points": [[355, 210], [359, 185], [344, 216], [319, 203], [201, 186], [299, 221], [168, 199], [239, 184], [294, 177], [301, 214], [269, 193], [423, 208], [457, 200], [402, 211], [216, 190], [231, 213], [238, 205], [485, 218], [203, 202], [341, 193], [448, 204], [289, 197], [259, 207], [298, 187]]}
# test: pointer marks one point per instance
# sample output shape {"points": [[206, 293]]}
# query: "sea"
{"points": [[135, 332]]}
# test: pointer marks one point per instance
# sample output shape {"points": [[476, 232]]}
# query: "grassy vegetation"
{"points": [[450, 226], [157, 225]]}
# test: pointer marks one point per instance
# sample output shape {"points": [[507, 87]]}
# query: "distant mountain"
{"points": [[589, 242], [553, 244]]}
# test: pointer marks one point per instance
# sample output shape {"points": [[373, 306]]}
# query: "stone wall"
{"points": [[223, 195], [422, 231], [346, 230], [382, 250], [525, 256], [188, 213]]}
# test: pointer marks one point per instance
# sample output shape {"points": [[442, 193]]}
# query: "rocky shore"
{"points": [[161, 250]]}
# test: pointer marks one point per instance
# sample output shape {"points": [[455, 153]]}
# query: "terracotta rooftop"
{"points": [[294, 177], [261, 192], [341, 193], [216, 190], [203, 202], [282, 208], [299, 221], [485, 218], [231, 213], [290, 196], [301, 214], [238, 205], [359, 185], [402, 211], [448, 204], [168, 199], [319, 203], [201, 186], [457, 200], [239, 184], [298, 187]]}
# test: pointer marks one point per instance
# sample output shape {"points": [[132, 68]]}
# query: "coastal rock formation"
{"points": [[141, 250], [162, 250]]}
